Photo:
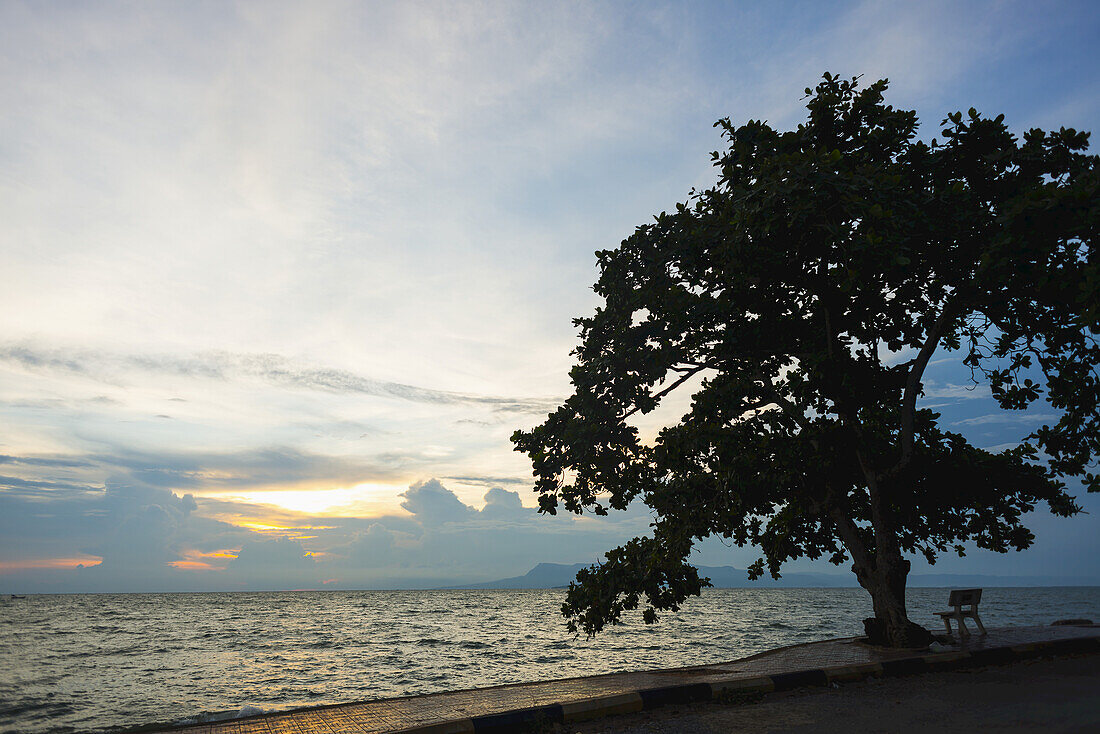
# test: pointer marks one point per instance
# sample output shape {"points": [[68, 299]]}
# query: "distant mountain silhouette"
{"points": [[557, 575], [542, 576]]}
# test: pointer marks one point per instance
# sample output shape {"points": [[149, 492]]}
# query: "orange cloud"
{"points": [[195, 560], [294, 532], [11, 566]]}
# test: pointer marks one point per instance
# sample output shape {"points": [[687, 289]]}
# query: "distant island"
{"points": [[558, 575]]}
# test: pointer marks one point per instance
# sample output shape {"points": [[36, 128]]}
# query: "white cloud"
{"points": [[952, 391], [1005, 417]]}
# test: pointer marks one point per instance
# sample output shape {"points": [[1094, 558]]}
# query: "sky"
{"points": [[278, 281]]}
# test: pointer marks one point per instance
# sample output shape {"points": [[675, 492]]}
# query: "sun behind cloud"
{"points": [[361, 500]]}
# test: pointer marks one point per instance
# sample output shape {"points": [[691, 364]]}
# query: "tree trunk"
{"points": [[890, 626]]}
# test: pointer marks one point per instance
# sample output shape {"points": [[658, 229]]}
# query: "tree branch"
{"points": [[849, 533], [776, 397], [670, 388], [790, 409], [912, 386]]}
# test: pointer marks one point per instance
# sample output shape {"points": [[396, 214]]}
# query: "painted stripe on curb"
{"points": [[947, 660], [799, 679], [511, 720], [1027, 650], [763, 684], [1075, 644], [904, 666], [992, 656], [594, 708], [1055, 647], [849, 673], [653, 697]]}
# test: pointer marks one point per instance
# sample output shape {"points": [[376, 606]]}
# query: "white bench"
{"points": [[963, 598]]}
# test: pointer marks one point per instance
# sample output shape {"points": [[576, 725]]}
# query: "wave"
{"points": [[174, 655], [211, 716]]}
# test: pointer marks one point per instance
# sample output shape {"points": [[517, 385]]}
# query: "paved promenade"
{"points": [[506, 708]]}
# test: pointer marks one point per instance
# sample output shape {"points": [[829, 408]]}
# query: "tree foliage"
{"points": [[783, 296]]}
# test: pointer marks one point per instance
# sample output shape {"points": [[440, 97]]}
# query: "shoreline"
{"points": [[515, 706]]}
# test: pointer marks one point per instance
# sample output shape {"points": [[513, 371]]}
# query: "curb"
{"points": [[650, 698]]}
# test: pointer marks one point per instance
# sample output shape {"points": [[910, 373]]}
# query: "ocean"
{"points": [[97, 662]]}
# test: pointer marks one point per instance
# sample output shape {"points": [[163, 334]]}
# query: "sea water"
{"points": [[93, 662]]}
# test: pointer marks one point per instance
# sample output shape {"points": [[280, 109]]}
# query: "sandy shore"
{"points": [[1048, 695]]}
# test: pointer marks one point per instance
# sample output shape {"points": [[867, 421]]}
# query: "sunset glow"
{"points": [[196, 560], [86, 561], [362, 500], [292, 532]]}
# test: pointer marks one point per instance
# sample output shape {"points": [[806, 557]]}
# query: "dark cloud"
{"points": [[144, 539], [272, 368], [67, 462], [270, 557], [278, 369], [371, 548], [267, 467], [37, 360], [264, 466], [489, 481], [137, 531], [142, 532], [38, 487]]}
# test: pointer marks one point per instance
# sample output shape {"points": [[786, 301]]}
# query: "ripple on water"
{"points": [[143, 658]]}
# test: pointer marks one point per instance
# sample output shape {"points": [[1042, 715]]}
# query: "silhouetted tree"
{"points": [[805, 293]]}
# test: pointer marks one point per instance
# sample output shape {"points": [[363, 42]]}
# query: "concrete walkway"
{"points": [[507, 708], [1052, 695]]}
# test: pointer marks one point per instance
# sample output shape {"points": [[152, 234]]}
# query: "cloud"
{"points": [[154, 539], [432, 503], [489, 481], [1004, 417], [264, 468], [940, 391], [264, 559], [144, 538], [136, 532], [503, 504], [272, 368], [14, 486], [371, 548], [44, 461], [259, 467]]}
